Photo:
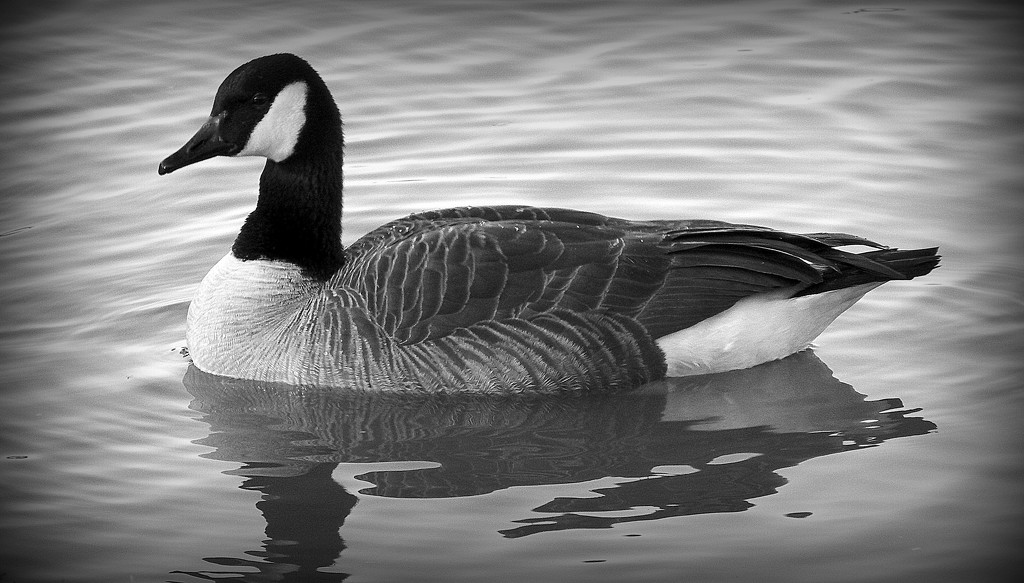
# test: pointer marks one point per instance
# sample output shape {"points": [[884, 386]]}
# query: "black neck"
{"points": [[298, 215]]}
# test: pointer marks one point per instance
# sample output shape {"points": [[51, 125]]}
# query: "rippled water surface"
{"points": [[901, 123]]}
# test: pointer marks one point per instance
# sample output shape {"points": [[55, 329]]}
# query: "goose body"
{"points": [[505, 298]]}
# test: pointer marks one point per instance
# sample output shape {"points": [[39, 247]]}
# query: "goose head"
{"points": [[279, 108], [275, 106]]}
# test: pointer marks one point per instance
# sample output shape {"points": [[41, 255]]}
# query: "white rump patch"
{"points": [[757, 329], [275, 136]]}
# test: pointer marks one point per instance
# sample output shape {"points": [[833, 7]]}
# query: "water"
{"points": [[896, 122]]}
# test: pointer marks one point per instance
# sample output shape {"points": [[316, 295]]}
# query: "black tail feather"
{"points": [[904, 263], [910, 262]]}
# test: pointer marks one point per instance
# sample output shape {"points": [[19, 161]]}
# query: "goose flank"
{"points": [[500, 298]]}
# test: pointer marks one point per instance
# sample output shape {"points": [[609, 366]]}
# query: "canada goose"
{"points": [[505, 298]]}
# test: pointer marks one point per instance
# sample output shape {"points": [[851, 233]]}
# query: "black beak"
{"points": [[206, 144]]}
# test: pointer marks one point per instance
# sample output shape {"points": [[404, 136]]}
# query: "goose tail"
{"points": [[909, 262], [896, 264]]}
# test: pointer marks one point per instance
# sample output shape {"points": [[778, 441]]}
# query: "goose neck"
{"points": [[297, 217]]}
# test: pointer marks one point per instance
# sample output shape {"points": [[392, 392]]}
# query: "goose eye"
{"points": [[260, 99]]}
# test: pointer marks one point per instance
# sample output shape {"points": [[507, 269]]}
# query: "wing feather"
{"points": [[430, 274], [439, 276]]}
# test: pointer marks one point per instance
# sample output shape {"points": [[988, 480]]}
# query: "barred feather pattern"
{"points": [[325, 336], [509, 299]]}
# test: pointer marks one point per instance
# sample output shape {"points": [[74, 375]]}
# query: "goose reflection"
{"points": [[678, 447]]}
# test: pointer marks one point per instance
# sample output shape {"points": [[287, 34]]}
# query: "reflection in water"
{"points": [[681, 446], [303, 513]]}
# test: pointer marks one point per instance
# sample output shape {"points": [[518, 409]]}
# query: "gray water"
{"points": [[901, 123]]}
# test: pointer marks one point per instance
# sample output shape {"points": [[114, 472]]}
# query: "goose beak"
{"points": [[207, 143]]}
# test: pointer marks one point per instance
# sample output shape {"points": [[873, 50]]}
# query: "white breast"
{"points": [[245, 315], [758, 329]]}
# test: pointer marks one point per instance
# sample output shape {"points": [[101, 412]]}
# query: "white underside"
{"points": [[758, 329], [255, 319]]}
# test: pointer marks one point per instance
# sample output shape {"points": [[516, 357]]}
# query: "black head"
{"points": [[275, 106]]}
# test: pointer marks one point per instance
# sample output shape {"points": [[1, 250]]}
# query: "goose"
{"points": [[490, 298]]}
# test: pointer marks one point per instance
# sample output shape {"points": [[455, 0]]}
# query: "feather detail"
{"points": [[490, 298]]}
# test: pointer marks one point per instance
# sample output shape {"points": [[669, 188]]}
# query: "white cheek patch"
{"points": [[275, 136]]}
